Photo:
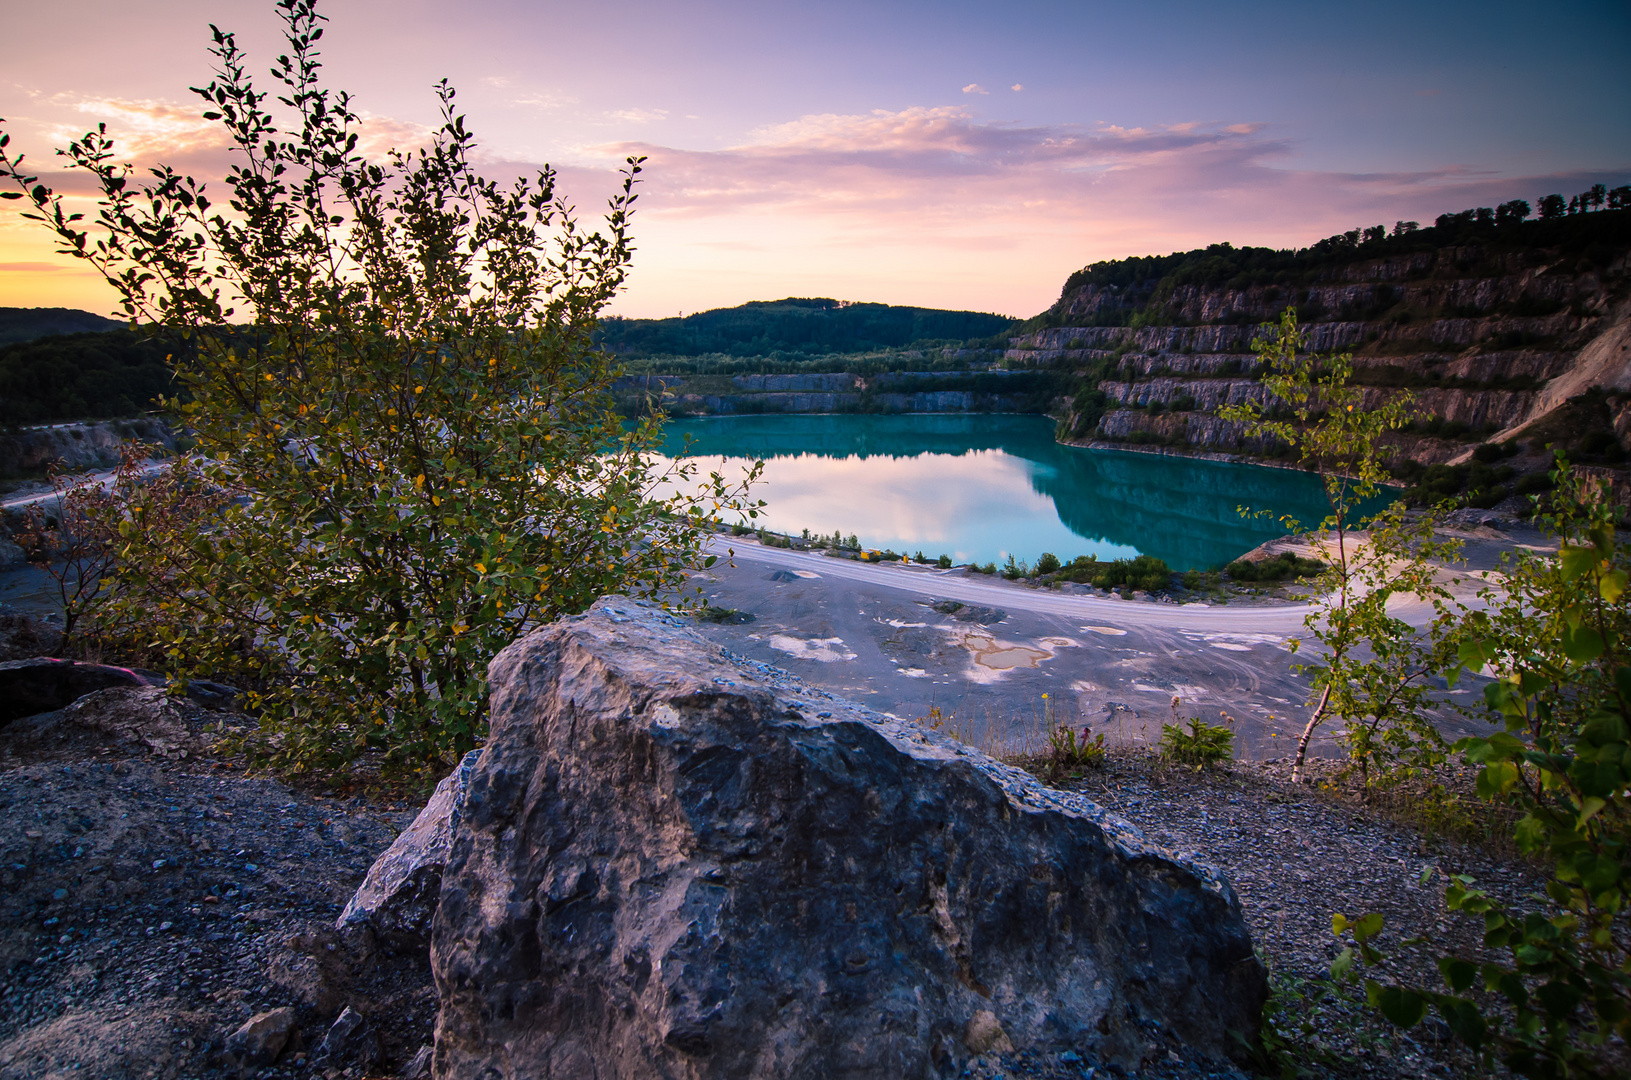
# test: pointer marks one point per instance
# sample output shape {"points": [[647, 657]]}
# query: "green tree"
{"points": [[1551, 996], [1552, 207], [414, 427], [1373, 669]]}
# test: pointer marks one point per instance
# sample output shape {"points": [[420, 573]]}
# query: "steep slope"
{"points": [[1516, 335]]}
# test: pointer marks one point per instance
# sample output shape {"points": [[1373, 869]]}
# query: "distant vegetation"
{"points": [[81, 376], [26, 324], [797, 328], [1146, 283]]}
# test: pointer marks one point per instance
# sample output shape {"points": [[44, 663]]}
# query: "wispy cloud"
{"points": [[975, 88], [963, 209], [639, 116], [1017, 87]]}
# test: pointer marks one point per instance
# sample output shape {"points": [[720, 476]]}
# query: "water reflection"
{"points": [[981, 487]]}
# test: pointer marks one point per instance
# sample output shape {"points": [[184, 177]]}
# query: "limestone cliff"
{"points": [[1517, 335]]}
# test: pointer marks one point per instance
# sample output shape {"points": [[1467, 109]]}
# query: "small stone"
{"points": [[262, 1037], [419, 1067], [350, 1041], [983, 1034], [59, 894]]}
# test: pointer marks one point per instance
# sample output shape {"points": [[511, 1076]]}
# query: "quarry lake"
{"points": [[982, 487]]}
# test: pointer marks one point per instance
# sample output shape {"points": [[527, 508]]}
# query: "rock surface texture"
{"points": [[398, 899], [670, 863]]}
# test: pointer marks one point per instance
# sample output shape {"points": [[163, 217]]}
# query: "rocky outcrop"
{"points": [[673, 864], [42, 684], [76, 446]]}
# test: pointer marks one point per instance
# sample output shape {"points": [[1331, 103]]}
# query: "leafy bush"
{"points": [[1559, 999], [1143, 572], [1046, 563], [413, 438], [1282, 567], [944, 562], [1201, 745]]}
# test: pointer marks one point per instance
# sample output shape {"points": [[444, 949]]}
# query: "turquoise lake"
{"points": [[982, 487]]}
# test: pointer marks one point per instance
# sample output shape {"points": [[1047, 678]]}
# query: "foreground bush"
{"points": [[413, 437], [1551, 996]]}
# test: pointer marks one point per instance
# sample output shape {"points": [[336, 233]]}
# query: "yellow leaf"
{"points": [[481, 568]]}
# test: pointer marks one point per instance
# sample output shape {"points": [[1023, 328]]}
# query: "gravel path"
{"points": [[148, 907], [1298, 853]]}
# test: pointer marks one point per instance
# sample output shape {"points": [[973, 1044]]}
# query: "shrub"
{"points": [[1550, 996], [1201, 745], [944, 562], [414, 434], [1143, 572], [1282, 567], [1047, 563]]}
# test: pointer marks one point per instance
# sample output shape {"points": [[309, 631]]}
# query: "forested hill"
{"points": [[1158, 290], [795, 328], [26, 324]]}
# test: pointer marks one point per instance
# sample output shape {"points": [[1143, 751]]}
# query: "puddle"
{"points": [[993, 659], [826, 650], [1110, 631]]}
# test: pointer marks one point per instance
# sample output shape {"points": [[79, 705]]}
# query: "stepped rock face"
{"points": [[671, 863]]}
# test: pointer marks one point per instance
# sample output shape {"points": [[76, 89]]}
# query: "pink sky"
{"points": [[941, 158]]}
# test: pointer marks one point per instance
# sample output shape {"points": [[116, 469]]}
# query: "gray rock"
{"points": [[398, 897], [23, 637], [261, 1039], [11, 556], [669, 864], [42, 684], [419, 1067], [350, 1042]]}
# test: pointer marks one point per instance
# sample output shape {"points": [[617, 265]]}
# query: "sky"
{"points": [[944, 154]]}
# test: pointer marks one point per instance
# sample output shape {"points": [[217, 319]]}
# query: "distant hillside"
{"points": [[1513, 336], [26, 324], [796, 328], [1159, 290], [96, 376]]}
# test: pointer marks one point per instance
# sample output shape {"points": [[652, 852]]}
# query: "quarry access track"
{"points": [[1273, 618]]}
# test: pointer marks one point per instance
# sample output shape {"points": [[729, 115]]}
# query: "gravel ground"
{"points": [[153, 898], [1298, 853], [150, 905]]}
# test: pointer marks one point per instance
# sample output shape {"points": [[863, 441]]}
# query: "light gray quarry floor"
{"points": [[870, 632]]}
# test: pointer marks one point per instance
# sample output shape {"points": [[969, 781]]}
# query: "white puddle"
{"points": [[1109, 631], [826, 650]]}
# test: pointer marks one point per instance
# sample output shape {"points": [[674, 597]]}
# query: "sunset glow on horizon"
{"points": [[944, 155]]}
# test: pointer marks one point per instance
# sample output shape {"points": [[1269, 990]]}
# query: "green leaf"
{"points": [[1577, 562], [1401, 1006], [1458, 974], [1583, 644], [1464, 1019], [1559, 999], [1368, 927]]}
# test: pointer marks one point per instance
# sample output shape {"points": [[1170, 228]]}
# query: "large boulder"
{"points": [[673, 863]]}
